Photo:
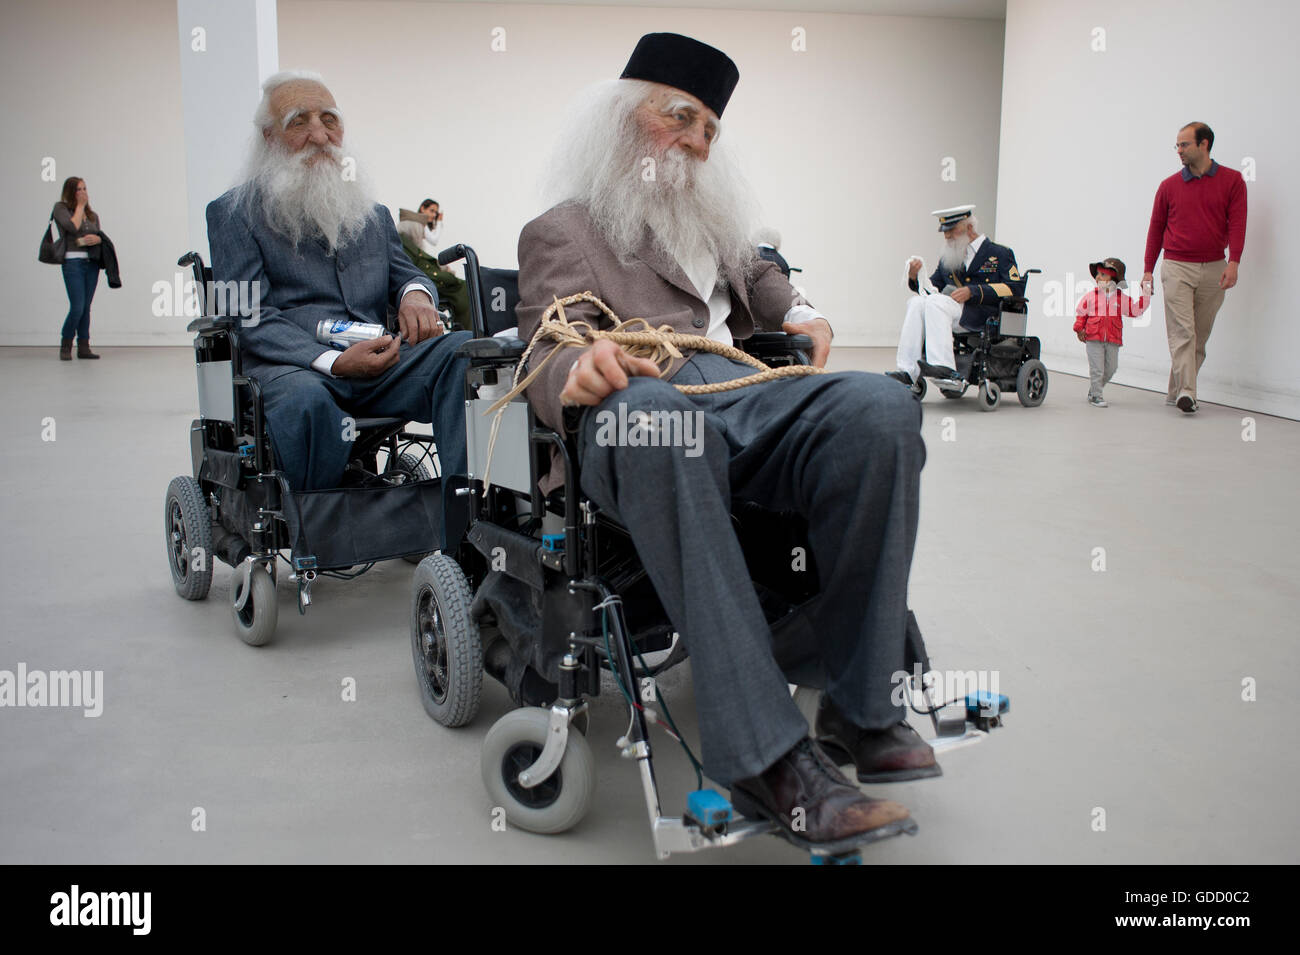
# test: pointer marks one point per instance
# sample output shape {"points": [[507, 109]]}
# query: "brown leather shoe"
{"points": [[65, 350], [891, 755], [814, 805], [83, 349]]}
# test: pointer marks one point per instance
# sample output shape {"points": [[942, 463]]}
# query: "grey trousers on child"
{"points": [[1103, 359]]}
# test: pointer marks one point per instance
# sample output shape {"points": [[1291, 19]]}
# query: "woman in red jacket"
{"points": [[1099, 321]]}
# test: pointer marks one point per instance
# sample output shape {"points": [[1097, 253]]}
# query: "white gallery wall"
{"points": [[1093, 96], [849, 126], [91, 88]]}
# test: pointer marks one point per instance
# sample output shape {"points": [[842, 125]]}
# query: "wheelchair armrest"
{"points": [[492, 349], [208, 324], [775, 342]]}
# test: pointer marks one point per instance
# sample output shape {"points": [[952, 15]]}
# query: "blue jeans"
{"points": [[80, 276]]}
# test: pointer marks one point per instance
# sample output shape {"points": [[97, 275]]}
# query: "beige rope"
{"points": [[640, 340]]}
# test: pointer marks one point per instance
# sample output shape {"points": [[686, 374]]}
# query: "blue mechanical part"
{"points": [[985, 704], [708, 808], [245, 450], [553, 542], [304, 563], [843, 858]]}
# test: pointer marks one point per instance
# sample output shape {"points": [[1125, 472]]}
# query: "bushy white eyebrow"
{"points": [[295, 113], [676, 104]]}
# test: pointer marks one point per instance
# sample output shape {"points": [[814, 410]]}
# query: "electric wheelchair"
{"points": [[237, 507], [545, 594], [999, 358]]}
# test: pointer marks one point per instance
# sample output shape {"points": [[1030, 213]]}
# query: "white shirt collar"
{"points": [[973, 248]]}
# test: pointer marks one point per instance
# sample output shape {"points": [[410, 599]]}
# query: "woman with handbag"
{"points": [[80, 236]]}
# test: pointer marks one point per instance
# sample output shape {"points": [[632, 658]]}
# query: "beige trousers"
{"points": [[1192, 299]]}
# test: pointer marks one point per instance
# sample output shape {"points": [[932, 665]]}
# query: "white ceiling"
{"points": [[960, 9]]}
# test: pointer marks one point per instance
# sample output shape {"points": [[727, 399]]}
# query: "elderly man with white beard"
{"points": [[304, 229], [654, 219], [974, 277]]}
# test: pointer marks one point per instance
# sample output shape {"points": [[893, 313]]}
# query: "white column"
{"points": [[227, 47]]}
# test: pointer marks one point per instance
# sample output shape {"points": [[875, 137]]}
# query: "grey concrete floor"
{"points": [[1126, 684]]}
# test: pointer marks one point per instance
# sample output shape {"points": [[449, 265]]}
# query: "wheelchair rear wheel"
{"points": [[253, 605], [445, 642], [1031, 383], [556, 804], [188, 529]]}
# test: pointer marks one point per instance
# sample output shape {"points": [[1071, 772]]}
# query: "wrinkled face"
{"points": [[305, 118], [1190, 152], [673, 119], [959, 235]]}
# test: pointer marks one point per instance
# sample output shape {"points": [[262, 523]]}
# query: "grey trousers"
{"points": [[845, 451], [1103, 360]]}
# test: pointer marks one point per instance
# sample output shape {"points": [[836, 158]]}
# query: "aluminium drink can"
{"points": [[342, 333]]}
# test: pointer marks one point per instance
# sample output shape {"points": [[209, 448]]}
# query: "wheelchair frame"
{"points": [[978, 359], [583, 564], [234, 507]]}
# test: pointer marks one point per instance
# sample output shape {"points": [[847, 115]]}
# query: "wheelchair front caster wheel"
{"points": [[990, 395], [445, 642], [188, 529], [918, 388], [556, 804], [253, 605]]}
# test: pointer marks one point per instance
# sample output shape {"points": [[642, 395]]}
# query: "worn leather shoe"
{"points": [[813, 803], [891, 755], [65, 350], [902, 376], [83, 349]]}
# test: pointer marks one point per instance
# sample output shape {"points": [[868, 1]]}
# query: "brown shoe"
{"points": [[891, 755], [65, 350], [814, 805], [83, 350]]}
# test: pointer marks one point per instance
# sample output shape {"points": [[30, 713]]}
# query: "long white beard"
{"points": [[953, 255], [302, 201], [692, 209]]}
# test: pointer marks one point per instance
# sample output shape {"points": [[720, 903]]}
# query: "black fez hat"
{"points": [[678, 61]]}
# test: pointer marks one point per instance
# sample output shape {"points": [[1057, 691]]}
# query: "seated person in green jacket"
{"points": [[451, 290]]}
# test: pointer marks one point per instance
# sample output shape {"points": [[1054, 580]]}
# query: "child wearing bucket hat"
{"points": [[1099, 322]]}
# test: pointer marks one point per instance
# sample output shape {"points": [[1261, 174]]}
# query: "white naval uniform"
{"points": [[930, 322]]}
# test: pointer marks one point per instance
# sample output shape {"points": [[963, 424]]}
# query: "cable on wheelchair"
{"points": [[671, 726], [345, 575]]}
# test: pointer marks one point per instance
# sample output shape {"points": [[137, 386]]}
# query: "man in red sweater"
{"points": [[1196, 213]]}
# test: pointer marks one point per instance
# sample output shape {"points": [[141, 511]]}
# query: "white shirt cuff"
{"points": [[805, 313], [325, 361], [415, 286]]}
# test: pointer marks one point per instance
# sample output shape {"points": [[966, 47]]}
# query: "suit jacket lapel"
{"points": [[983, 253], [666, 267]]}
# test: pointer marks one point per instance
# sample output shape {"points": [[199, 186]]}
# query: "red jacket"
{"points": [[1101, 318]]}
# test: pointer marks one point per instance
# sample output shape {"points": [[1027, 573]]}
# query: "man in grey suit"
{"points": [[303, 233], [655, 221]]}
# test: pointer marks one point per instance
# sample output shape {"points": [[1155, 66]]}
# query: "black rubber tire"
{"points": [[445, 645], [559, 803], [255, 623], [918, 388], [990, 395], [415, 468], [1031, 383], [187, 526]]}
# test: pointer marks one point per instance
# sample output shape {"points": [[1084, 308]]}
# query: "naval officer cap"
{"points": [[949, 219], [678, 61]]}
